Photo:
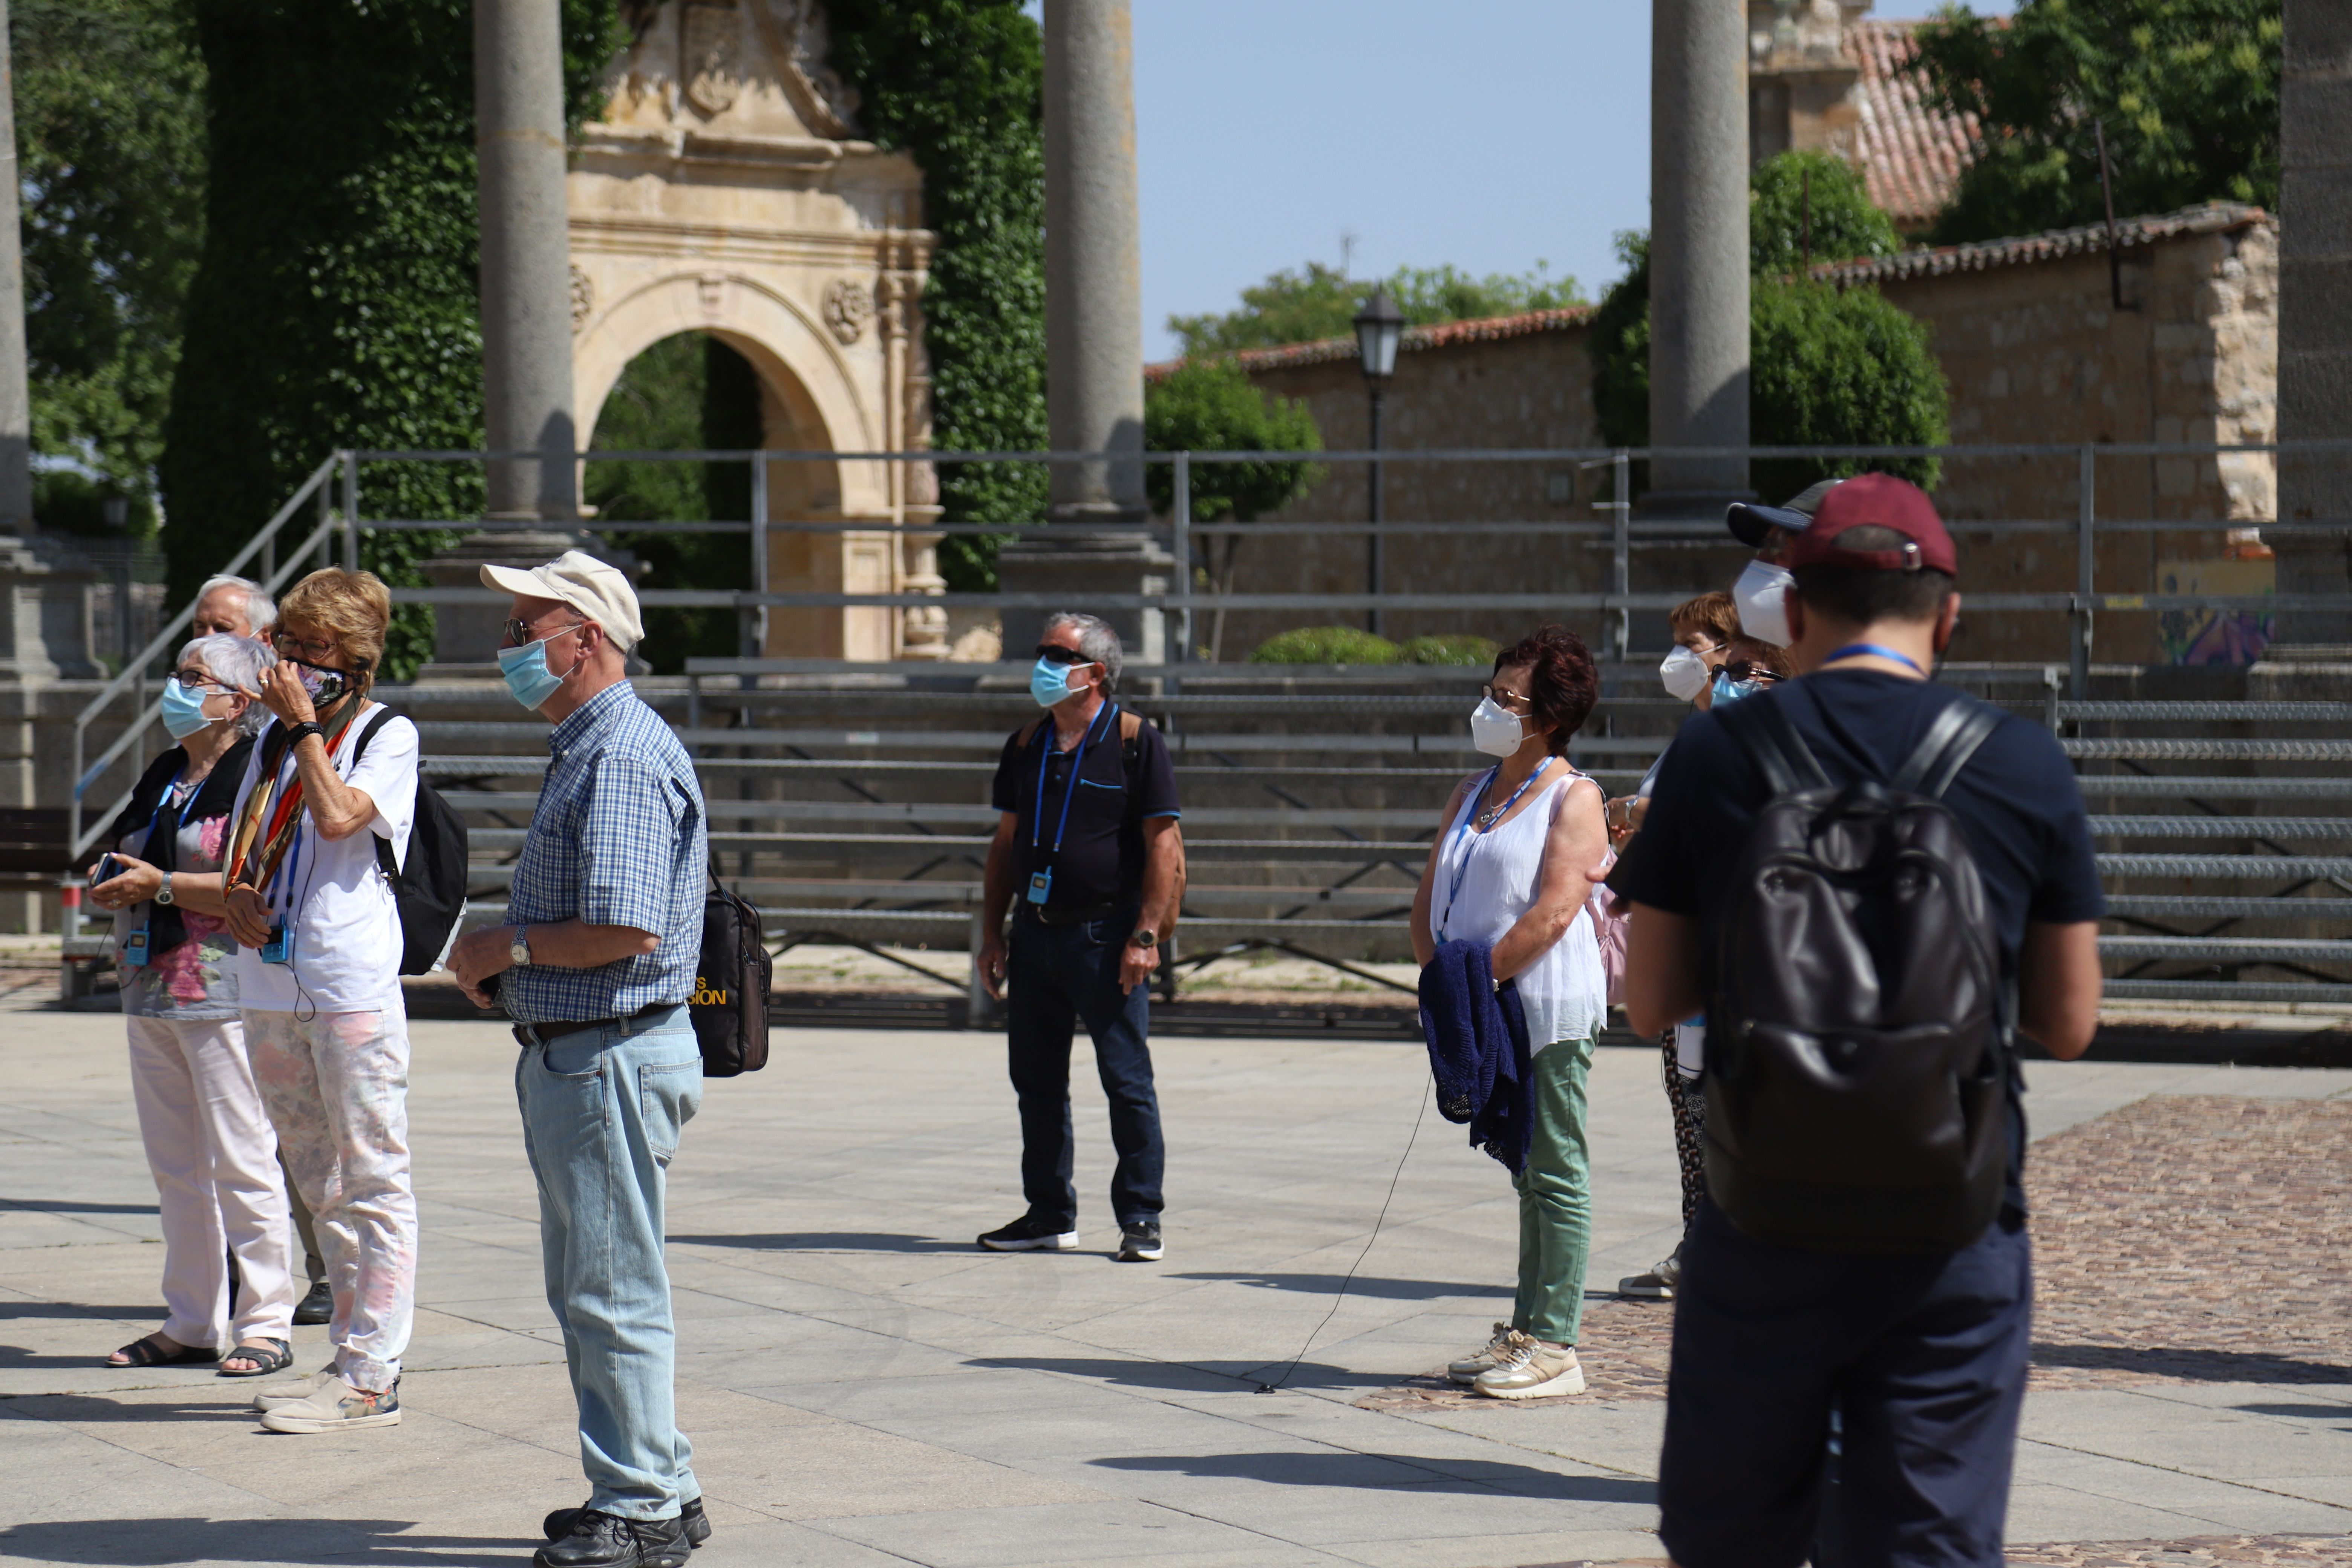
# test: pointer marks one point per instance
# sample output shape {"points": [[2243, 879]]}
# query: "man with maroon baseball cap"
{"points": [[1921, 1353]]}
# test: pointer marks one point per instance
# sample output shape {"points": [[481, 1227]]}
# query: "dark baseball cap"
{"points": [[1748, 522], [1875, 500]]}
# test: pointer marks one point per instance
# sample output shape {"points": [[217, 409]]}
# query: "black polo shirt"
{"points": [[1101, 856]]}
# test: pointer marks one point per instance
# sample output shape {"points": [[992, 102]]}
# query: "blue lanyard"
{"points": [[1037, 823], [1468, 813], [1878, 650]]}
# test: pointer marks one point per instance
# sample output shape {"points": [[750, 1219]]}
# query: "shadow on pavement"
{"points": [[224, 1400], [828, 1241], [1176, 1377], [1329, 1284], [1396, 1472], [77, 1309], [2192, 1365], [157, 1542], [61, 1206]]}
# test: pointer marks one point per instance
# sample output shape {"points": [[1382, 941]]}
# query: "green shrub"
{"points": [[1326, 644], [1451, 647]]}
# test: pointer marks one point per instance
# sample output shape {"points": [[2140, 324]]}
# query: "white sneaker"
{"points": [[336, 1406], [1467, 1370], [1531, 1369], [291, 1390]]}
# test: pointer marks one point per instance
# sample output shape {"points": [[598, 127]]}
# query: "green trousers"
{"points": [[1555, 1199]]}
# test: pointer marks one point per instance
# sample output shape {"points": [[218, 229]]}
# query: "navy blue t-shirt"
{"points": [[1101, 858], [2016, 801]]}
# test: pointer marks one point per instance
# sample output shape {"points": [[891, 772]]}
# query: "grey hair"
{"points": [[238, 662], [259, 608], [1096, 640]]}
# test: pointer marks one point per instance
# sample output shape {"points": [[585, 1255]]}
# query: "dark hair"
{"points": [[1563, 684], [1861, 595]]}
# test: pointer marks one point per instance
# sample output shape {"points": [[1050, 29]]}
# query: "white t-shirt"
{"points": [[345, 926]]}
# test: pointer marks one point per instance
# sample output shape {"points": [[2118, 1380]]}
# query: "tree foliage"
{"points": [[110, 117], [960, 85], [1319, 302], [1798, 194], [1209, 406], [2187, 91], [1353, 645], [685, 393], [1827, 366], [336, 303]]}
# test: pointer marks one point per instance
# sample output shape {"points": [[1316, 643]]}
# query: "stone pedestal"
{"points": [[45, 611], [1076, 566]]}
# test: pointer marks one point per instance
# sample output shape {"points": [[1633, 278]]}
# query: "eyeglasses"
{"points": [[1062, 655], [519, 632], [197, 681], [305, 648], [1747, 669], [1502, 697]]}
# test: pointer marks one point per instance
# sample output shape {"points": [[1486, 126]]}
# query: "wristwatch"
{"points": [[1145, 938], [163, 893], [519, 947]]}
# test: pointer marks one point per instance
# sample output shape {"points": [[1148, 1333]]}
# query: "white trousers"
{"points": [[217, 1184], [337, 1089]]}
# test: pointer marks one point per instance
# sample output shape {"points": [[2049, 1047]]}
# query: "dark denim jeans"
{"points": [[1054, 977]]}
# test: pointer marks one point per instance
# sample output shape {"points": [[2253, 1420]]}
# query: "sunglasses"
{"points": [[1062, 656], [519, 632], [1747, 669], [1502, 697]]}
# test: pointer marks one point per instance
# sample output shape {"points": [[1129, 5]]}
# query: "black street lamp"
{"points": [[1380, 326]]}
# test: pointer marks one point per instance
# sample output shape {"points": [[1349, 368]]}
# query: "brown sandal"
{"points": [[151, 1351]]}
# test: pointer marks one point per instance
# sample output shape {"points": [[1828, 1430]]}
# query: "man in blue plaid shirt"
{"points": [[594, 964]]}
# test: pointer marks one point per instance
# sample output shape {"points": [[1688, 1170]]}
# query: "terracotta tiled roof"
{"points": [[1446, 334], [2213, 217], [1909, 156]]}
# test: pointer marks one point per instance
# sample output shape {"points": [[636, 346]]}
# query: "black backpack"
{"points": [[1859, 1042], [729, 1008], [430, 890]]}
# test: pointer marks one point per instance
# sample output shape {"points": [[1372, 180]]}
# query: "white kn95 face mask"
{"points": [[1683, 673]]}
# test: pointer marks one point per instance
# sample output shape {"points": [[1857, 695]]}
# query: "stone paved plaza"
{"points": [[865, 1388]]}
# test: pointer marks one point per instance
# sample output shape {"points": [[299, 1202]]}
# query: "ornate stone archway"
{"points": [[724, 191]]}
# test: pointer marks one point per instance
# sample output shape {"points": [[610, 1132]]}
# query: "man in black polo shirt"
{"points": [[1922, 1355], [1088, 860]]}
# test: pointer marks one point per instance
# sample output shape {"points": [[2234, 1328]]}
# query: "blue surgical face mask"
{"points": [[184, 710], [1726, 690], [1050, 683], [527, 675]]}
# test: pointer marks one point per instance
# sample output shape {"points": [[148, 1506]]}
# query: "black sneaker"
{"points": [[318, 1306], [598, 1540], [1029, 1234], [1139, 1243], [691, 1518]]}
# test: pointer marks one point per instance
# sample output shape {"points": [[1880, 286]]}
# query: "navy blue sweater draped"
{"points": [[1478, 1052]]}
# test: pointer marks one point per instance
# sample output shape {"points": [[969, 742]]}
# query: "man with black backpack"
{"points": [[1871, 884], [1089, 863], [594, 964]]}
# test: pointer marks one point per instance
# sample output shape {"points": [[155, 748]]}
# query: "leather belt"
{"points": [[547, 1033], [1053, 917]]}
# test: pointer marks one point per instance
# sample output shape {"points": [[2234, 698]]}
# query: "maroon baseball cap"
{"points": [[1878, 500]]}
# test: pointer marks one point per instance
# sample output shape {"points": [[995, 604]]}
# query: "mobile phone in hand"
{"points": [[106, 870]]}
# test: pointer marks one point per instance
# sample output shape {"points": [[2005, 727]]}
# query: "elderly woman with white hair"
{"points": [[210, 1145]]}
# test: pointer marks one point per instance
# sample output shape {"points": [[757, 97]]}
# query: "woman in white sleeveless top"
{"points": [[1520, 845]]}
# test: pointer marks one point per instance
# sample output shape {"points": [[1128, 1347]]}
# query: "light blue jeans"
{"points": [[601, 1111]]}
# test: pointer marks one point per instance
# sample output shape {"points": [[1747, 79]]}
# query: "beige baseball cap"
{"points": [[598, 591]]}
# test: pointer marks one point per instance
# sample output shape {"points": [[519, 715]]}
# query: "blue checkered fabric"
{"points": [[618, 839]]}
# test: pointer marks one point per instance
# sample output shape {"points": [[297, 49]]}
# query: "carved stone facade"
{"points": [[725, 192]]}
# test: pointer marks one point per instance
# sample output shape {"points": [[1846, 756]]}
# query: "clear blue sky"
{"points": [[1487, 133]]}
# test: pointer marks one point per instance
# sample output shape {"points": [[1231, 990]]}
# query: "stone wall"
{"points": [[2035, 352]]}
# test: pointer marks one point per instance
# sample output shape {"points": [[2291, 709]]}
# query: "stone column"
{"points": [[526, 286], [1698, 251], [1094, 336], [2314, 363], [16, 405]]}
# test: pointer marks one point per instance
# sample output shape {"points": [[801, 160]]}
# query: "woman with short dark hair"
{"points": [[1517, 850]]}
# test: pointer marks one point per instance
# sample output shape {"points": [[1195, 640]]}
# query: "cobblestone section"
{"points": [[2202, 1239], [2179, 1239]]}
